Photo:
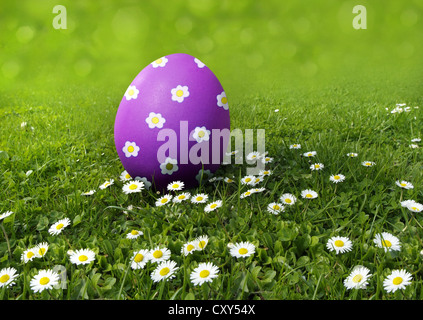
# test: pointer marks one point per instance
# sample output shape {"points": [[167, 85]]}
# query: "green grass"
{"points": [[331, 85]]}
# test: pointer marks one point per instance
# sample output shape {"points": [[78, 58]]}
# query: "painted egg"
{"points": [[173, 123]]}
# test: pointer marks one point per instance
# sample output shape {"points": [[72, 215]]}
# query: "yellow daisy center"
{"points": [[337, 177], [214, 205], [357, 278], [224, 100], [134, 232], [131, 92], [201, 134], [288, 200], [169, 166], [276, 207], [138, 258], [155, 120], [4, 278], [131, 149], [317, 166], [403, 184], [44, 281], [339, 243], [159, 61], [242, 251], [179, 93], [368, 164], [397, 281], [414, 208], [42, 251], [164, 271], [202, 244], [204, 273], [164, 200], [82, 258], [199, 198], [190, 247], [133, 186], [59, 226], [266, 172], [309, 195], [127, 176], [248, 180], [30, 254], [175, 186], [181, 197], [247, 193], [157, 254], [386, 243]]}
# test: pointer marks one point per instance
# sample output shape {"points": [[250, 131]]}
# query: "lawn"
{"points": [[303, 74]]}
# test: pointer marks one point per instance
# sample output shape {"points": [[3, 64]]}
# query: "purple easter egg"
{"points": [[173, 123]]}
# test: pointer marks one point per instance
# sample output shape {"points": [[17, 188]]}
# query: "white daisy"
{"points": [[295, 146], [164, 271], [246, 194], [130, 149], [413, 146], [45, 279], [352, 155], [107, 183], [414, 206], [358, 278], [133, 187], [257, 180], [256, 190], [199, 63], [248, 180], [335, 178], [7, 277], [175, 186], [201, 242], [199, 198], [265, 173], [41, 249], [134, 234], [125, 176], [404, 184], [181, 197], [163, 200], [188, 248], [82, 256], [368, 163], [179, 93], [398, 279], [155, 120], [88, 193], [147, 184], [416, 140], [242, 249], [222, 100], [29, 255], [275, 208], [288, 199], [387, 241], [169, 166], [205, 272], [161, 62], [5, 214], [309, 194], [339, 244], [139, 259], [407, 203], [58, 227], [253, 156], [266, 160], [159, 254], [229, 180], [310, 154], [213, 206], [131, 93], [317, 166], [201, 134]]}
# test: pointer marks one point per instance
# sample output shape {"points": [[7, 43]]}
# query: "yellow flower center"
{"points": [[157, 254], [181, 197], [288, 200], [134, 232], [179, 93], [175, 186], [138, 258], [83, 258], [131, 149], [204, 273], [190, 247], [59, 226], [276, 207], [403, 184], [242, 251], [201, 134], [339, 243], [317, 166], [164, 200], [368, 164], [44, 281], [199, 198], [337, 177], [159, 61], [202, 244], [386, 243], [155, 120], [131, 92], [127, 176], [414, 208], [247, 193], [164, 271], [357, 278], [397, 281], [309, 195], [42, 251], [266, 172], [30, 254], [214, 205], [169, 166], [248, 180], [133, 186], [224, 100], [4, 278]]}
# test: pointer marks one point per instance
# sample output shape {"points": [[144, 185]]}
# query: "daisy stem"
{"points": [[7, 240], [224, 229]]}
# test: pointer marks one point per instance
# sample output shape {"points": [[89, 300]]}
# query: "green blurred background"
{"points": [[268, 47]]}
